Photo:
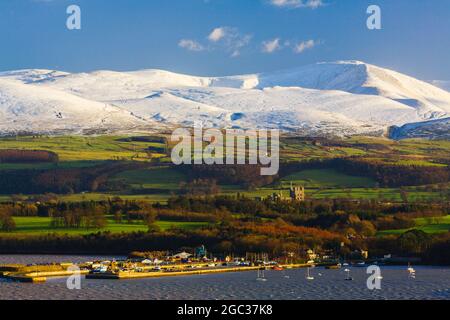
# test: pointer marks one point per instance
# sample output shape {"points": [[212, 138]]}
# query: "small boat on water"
{"points": [[334, 266], [278, 268], [411, 271], [360, 265], [308, 274], [261, 276], [102, 269], [348, 278]]}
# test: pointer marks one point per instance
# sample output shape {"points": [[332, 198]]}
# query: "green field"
{"points": [[78, 148], [154, 178], [331, 184], [32, 226], [428, 225], [326, 178]]}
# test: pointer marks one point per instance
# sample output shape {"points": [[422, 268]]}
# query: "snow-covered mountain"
{"points": [[339, 98], [31, 109]]}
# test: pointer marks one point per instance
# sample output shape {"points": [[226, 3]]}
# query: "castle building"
{"points": [[296, 193]]}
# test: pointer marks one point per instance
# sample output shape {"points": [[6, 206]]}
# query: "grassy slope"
{"points": [[31, 226], [428, 225], [326, 178], [154, 178], [76, 148]]}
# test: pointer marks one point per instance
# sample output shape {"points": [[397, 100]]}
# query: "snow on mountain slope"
{"points": [[361, 78], [347, 97], [33, 75], [167, 108], [349, 76], [303, 106], [29, 108], [111, 85], [434, 129]]}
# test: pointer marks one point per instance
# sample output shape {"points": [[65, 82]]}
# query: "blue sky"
{"points": [[222, 37]]}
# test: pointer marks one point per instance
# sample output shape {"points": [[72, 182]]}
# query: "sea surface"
{"points": [[431, 283]]}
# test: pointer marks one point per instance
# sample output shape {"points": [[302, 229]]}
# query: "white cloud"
{"points": [[217, 34], [312, 4], [271, 46], [304, 45], [230, 39], [190, 45]]}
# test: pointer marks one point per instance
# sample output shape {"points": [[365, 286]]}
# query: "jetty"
{"points": [[183, 272], [110, 270], [39, 273]]}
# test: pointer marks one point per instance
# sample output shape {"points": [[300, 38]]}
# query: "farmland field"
{"points": [[78, 148], [326, 178], [164, 178], [429, 225], [32, 226]]}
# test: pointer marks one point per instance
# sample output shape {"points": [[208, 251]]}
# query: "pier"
{"points": [[41, 275], [183, 272]]}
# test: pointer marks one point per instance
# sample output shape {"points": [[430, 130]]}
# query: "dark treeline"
{"points": [[385, 174], [366, 209], [393, 175], [27, 156], [321, 213], [433, 249], [248, 176], [62, 181], [86, 215]]}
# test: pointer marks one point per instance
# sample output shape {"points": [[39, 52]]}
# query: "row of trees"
{"points": [[248, 176], [27, 156], [63, 180]]}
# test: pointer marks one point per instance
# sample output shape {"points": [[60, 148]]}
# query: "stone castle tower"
{"points": [[297, 193]]}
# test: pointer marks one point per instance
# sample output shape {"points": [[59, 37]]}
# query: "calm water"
{"points": [[431, 283]]}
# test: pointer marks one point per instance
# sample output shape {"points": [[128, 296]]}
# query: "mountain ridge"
{"points": [[337, 98]]}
